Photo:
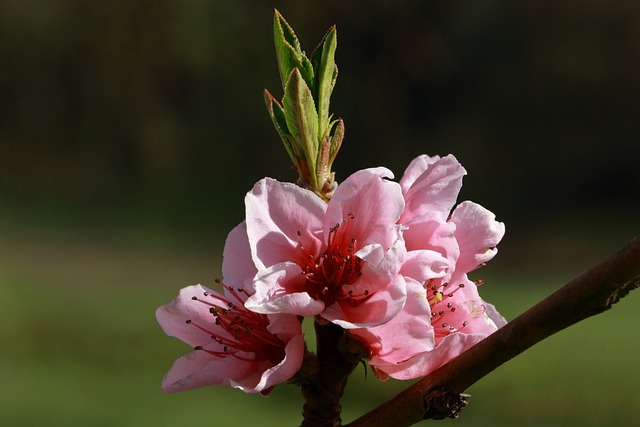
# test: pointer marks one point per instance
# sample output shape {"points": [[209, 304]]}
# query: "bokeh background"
{"points": [[131, 130]]}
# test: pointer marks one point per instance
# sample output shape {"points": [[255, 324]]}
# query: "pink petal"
{"points": [[284, 326], [415, 169], [377, 276], [282, 289], [374, 202], [172, 317], [198, 369], [431, 186], [469, 317], [493, 314], [477, 233], [379, 308], [407, 334], [372, 254], [432, 231], [276, 213], [427, 362], [274, 375], [424, 265], [238, 268]]}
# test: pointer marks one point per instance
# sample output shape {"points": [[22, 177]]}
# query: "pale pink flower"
{"points": [[232, 346], [467, 237], [437, 324], [340, 261], [443, 309]]}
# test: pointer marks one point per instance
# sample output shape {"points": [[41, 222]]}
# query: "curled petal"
{"points": [[279, 216], [373, 202], [379, 274], [281, 289], [237, 266], [264, 380], [494, 316], [415, 169], [477, 234], [371, 254], [199, 369], [432, 231], [424, 265], [377, 309], [431, 184], [173, 317]]}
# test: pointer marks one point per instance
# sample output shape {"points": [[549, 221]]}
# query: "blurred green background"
{"points": [[131, 130]]}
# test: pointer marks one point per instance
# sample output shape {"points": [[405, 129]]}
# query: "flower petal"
{"points": [[493, 314], [432, 231], [281, 289], [373, 202], [477, 233], [276, 213], [379, 308], [469, 316], [431, 184], [199, 369], [283, 371], [238, 268], [424, 265], [382, 273], [172, 317], [427, 362], [415, 169], [407, 334]]}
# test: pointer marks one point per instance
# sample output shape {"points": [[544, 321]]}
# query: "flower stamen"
{"points": [[238, 330], [337, 267], [442, 309]]}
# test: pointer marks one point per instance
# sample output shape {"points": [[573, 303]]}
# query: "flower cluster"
{"points": [[387, 261]]}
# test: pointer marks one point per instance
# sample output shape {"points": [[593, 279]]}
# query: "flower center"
{"points": [[338, 266], [447, 316], [237, 329]]}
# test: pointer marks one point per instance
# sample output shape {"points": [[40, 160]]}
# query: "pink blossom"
{"points": [[447, 324], [443, 306], [232, 345], [467, 236], [340, 261]]}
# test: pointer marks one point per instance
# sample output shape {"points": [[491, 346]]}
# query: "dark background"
{"points": [[158, 104]]}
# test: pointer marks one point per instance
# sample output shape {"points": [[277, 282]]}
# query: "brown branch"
{"points": [[323, 391], [440, 394]]}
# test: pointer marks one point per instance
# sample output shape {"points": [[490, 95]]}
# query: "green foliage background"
{"points": [[130, 131]]}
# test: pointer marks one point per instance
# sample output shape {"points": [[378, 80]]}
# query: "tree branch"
{"points": [[323, 391], [440, 394]]}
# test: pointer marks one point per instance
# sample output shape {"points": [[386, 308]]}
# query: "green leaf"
{"points": [[301, 117], [322, 166], [289, 53], [336, 141], [326, 71], [276, 112]]}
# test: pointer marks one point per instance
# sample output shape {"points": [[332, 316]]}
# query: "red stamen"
{"points": [[238, 329], [338, 266]]}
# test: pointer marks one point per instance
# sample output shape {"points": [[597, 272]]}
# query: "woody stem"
{"points": [[324, 391]]}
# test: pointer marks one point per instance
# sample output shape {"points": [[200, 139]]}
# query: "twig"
{"points": [[440, 394], [323, 391]]}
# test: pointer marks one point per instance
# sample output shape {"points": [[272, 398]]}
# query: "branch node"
{"points": [[622, 292], [441, 404]]}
